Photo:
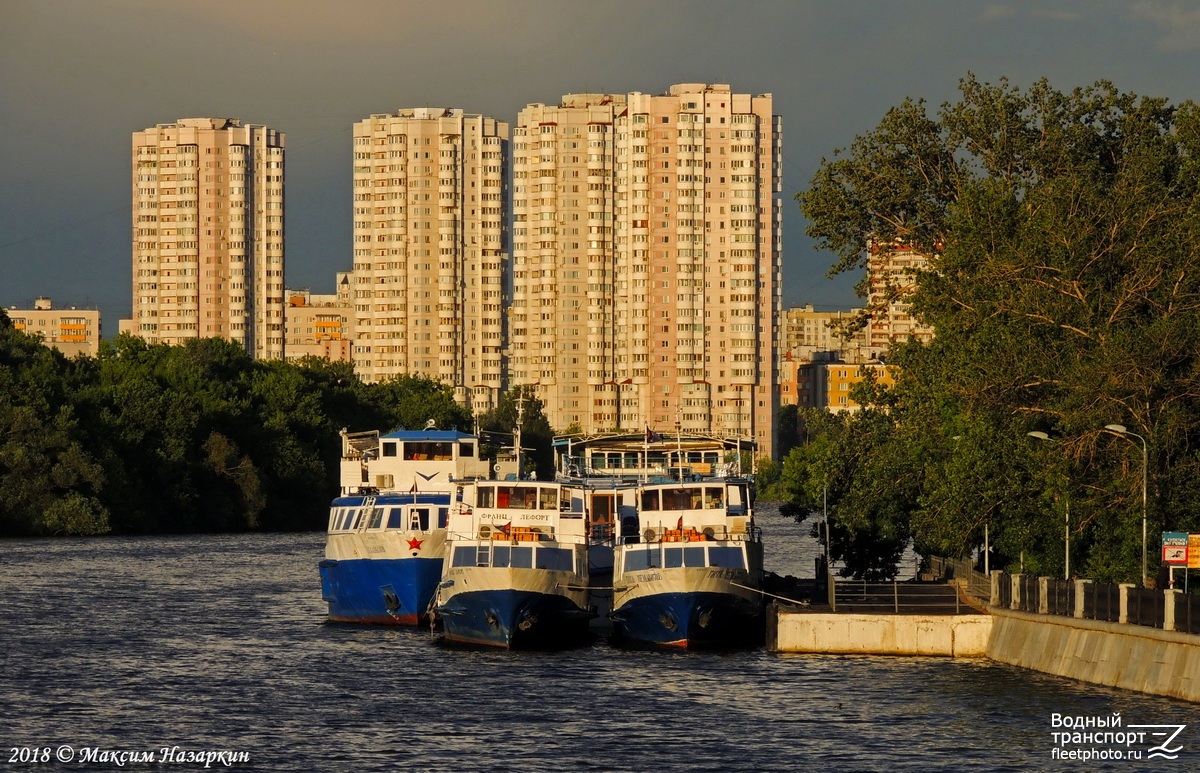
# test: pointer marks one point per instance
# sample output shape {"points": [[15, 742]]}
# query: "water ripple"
{"points": [[219, 643]]}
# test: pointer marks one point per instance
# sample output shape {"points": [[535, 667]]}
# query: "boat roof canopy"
{"points": [[429, 435], [637, 442]]}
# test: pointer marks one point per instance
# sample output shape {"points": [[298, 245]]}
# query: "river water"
{"points": [[211, 643]]}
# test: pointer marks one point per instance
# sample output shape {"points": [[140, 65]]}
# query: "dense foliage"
{"points": [[152, 439], [1065, 294]]}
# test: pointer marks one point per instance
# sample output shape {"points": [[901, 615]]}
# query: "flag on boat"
{"points": [[652, 436]]}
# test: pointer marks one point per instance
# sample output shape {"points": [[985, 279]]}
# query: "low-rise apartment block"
{"points": [[320, 325], [72, 331]]}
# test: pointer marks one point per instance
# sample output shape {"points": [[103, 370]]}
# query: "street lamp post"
{"points": [[1067, 526], [1120, 429]]}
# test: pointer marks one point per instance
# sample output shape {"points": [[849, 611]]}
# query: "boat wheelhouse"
{"points": [[516, 573], [650, 456], [387, 528]]}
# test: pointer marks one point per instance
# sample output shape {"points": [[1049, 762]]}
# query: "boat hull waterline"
{"points": [[688, 620], [513, 619]]}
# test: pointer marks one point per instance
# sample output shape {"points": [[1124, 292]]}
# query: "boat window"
{"points": [[334, 512], [443, 517], [693, 556], [516, 497], [729, 557], [500, 556], [485, 496], [681, 499], [438, 452], [714, 498], [643, 558], [376, 518], [649, 500], [466, 450], [559, 559], [548, 499], [418, 519], [672, 558], [522, 558], [395, 518], [389, 449], [348, 518], [464, 556]]}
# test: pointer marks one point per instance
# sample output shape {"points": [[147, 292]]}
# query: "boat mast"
{"points": [[517, 434]]}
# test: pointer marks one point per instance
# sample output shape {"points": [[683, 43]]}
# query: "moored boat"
{"points": [[688, 570], [515, 573], [387, 529]]}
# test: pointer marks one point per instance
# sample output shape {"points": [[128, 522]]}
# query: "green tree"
{"points": [[1065, 292], [537, 438]]}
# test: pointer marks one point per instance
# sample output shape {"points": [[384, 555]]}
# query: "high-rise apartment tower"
{"points": [[208, 234], [430, 252], [665, 206], [562, 326]]}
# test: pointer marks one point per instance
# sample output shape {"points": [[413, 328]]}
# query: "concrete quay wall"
{"points": [[948, 635], [1130, 657]]}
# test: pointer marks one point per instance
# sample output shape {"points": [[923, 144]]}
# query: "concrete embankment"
{"points": [[1117, 655], [864, 634]]}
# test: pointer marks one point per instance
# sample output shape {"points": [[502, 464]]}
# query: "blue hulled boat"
{"points": [[687, 572], [687, 559], [387, 529], [516, 567]]}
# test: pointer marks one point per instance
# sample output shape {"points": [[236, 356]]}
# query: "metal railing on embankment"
{"points": [[895, 598], [1168, 610], [960, 571]]}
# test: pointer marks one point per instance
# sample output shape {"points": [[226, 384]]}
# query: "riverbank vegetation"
{"points": [[1064, 230], [192, 438]]}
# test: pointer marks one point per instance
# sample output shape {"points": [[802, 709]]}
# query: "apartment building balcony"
{"points": [[684, 353]]}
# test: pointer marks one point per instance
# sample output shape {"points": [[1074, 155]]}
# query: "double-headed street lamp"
{"points": [[1067, 526], [1120, 429]]}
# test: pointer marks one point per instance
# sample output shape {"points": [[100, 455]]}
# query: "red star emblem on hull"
{"points": [[415, 544]]}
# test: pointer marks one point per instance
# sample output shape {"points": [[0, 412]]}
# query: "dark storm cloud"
{"points": [[77, 78]]}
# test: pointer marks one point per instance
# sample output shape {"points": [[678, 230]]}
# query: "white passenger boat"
{"points": [[516, 567], [387, 528], [688, 571], [687, 557]]}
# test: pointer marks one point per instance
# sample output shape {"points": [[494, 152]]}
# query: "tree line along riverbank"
{"points": [[147, 439]]}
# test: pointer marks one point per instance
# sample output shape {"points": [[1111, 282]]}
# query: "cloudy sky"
{"points": [[77, 77]]}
